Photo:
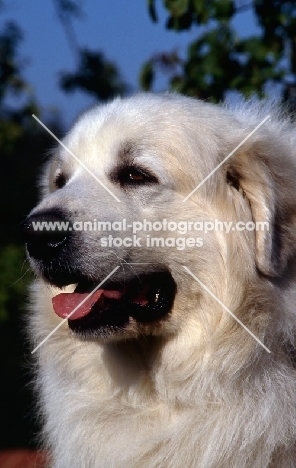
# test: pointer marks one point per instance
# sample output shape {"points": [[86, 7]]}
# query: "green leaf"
{"points": [[147, 76], [94, 75], [224, 10], [218, 59], [203, 10], [180, 23], [177, 8], [12, 283]]}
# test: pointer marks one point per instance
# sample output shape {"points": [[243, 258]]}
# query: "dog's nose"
{"points": [[46, 234]]}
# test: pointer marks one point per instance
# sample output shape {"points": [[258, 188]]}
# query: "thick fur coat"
{"points": [[190, 388]]}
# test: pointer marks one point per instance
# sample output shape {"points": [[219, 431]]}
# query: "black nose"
{"points": [[46, 234]]}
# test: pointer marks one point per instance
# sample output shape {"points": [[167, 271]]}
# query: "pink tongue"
{"points": [[65, 303]]}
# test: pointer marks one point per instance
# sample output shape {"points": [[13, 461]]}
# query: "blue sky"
{"points": [[121, 29]]}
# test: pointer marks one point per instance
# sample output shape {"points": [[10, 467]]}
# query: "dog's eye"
{"points": [[60, 181], [134, 176]]}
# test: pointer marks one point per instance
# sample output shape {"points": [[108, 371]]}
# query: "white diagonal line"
{"points": [[76, 159], [74, 310], [225, 159], [226, 308]]}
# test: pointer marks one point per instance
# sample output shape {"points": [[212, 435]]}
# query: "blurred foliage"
{"points": [[10, 80], [13, 121], [22, 142], [218, 59], [13, 278], [95, 75]]}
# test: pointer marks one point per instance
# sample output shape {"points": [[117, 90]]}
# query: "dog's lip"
{"points": [[144, 298]]}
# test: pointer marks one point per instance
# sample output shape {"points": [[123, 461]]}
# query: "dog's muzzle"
{"points": [[46, 234]]}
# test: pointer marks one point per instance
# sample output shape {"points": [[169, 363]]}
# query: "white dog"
{"points": [[183, 356]]}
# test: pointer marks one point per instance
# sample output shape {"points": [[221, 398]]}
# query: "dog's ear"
{"points": [[265, 171]]}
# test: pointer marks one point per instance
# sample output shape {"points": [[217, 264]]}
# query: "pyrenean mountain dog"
{"points": [[180, 217]]}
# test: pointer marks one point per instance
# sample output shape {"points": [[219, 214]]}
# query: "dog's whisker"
{"points": [[21, 277]]}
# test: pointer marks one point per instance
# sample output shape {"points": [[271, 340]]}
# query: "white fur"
{"points": [[194, 390]]}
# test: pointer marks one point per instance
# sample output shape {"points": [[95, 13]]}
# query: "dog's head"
{"points": [[120, 183]]}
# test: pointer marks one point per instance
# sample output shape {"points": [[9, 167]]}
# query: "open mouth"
{"points": [[146, 298]]}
